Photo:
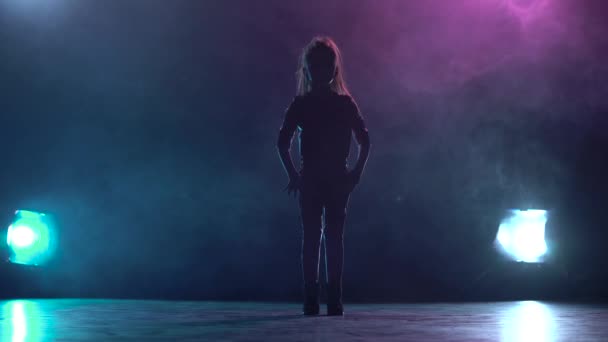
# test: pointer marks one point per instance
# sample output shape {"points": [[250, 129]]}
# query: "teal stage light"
{"points": [[30, 238]]}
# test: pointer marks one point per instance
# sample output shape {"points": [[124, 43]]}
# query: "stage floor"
{"points": [[134, 320]]}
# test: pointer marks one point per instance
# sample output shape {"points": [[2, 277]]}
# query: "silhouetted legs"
{"points": [[314, 196], [311, 210], [311, 214], [335, 215]]}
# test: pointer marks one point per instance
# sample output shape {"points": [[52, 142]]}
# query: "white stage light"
{"points": [[521, 235]]}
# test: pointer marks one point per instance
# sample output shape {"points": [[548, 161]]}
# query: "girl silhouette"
{"points": [[326, 116]]}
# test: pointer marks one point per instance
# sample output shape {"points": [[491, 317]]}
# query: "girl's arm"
{"points": [[284, 147], [285, 155], [362, 137]]}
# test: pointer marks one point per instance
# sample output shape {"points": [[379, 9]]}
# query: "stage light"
{"points": [[521, 235], [29, 238]]}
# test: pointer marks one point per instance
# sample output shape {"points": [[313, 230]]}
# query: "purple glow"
{"points": [[434, 45], [526, 10]]}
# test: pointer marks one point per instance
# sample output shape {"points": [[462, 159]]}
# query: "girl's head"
{"points": [[320, 67]]}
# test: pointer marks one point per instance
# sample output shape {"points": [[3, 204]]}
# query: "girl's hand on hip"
{"points": [[293, 186]]}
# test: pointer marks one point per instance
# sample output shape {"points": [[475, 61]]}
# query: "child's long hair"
{"points": [[338, 84]]}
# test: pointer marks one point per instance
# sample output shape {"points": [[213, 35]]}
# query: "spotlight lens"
{"points": [[21, 236], [522, 235], [29, 238]]}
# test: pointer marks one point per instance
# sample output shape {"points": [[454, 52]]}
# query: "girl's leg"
{"points": [[335, 215], [311, 211]]}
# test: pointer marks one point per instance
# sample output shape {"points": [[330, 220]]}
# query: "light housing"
{"points": [[30, 238]]}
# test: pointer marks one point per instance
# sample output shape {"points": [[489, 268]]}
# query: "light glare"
{"points": [[21, 236], [522, 235], [29, 238], [528, 321], [20, 321]]}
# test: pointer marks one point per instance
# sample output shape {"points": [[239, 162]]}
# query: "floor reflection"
{"points": [[20, 322], [528, 321], [145, 320]]}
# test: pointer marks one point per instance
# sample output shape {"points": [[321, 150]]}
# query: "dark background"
{"points": [[148, 128]]}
